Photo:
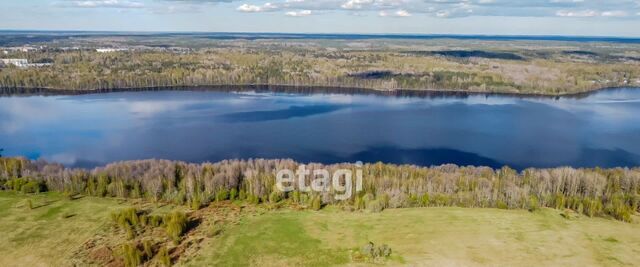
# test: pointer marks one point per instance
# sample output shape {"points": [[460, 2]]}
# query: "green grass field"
{"points": [[426, 236], [48, 234]]}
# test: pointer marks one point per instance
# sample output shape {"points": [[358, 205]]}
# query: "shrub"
{"points": [[373, 252], [175, 225], [34, 187], [383, 251], [424, 200], [222, 194], [233, 194], [358, 203], [534, 204], [375, 206], [618, 209], [148, 249], [559, 201], [501, 205], [368, 250], [295, 196], [163, 256], [196, 203], [155, 220], [367, 198], [275, 197], [14, 184], [316, 203], [132, 256], [253, 199]]}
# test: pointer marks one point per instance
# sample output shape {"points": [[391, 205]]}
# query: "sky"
{"points": [[493, 17]]}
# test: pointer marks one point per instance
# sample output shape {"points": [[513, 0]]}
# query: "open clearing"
{"points": [[48, 234], [426, 236]]}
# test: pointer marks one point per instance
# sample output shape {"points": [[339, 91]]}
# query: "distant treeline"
{"points": [[593, 192], [473, 71]]}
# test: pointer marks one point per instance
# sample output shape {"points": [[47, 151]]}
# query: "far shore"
{"points": [[303, 89]]}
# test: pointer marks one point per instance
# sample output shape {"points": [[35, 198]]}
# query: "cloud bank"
{"points": [[460, 8], [392, 8]]}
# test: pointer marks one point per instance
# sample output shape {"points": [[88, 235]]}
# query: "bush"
{"points": [[253, 199], [34, 187], [316, 203], [175, 225], [375, 206], [163, 257], [233, 194], [222, 194], [424, 200], [358, 203], [501, 205], [295, 197], [126, 216], [148, 249], [155, 220], [534, 204], [618, 209], [275, 197], [131, 255], [367, 198], [373, 252], [368, 250], [196, 203]]}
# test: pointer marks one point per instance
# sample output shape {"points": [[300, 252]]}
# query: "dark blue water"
{"points": [[602, 129]]}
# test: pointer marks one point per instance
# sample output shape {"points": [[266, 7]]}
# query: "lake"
{"points": [[601, 129]]}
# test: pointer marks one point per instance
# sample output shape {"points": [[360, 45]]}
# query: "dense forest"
{"points": [[524, 71], [593, 192]]}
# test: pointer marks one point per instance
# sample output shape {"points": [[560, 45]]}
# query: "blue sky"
{"points": [[524, 17]]}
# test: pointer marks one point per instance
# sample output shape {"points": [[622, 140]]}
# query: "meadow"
{"points": [[425, 236], [55, 230], [47, 233]]}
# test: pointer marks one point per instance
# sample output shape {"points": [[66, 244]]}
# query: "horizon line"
{"points": [[329, 33]]}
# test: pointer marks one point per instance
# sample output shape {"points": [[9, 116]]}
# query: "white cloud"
{"points": [[612, 9], [615, 13], [398, 13], [580, 13], [356, 4], [301, 13], [591, 13], [102, 4], [253, 8]]}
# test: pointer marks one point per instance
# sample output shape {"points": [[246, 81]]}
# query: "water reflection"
{"points": [[91, 129]]}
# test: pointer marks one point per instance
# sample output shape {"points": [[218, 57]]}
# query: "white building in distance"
{"points": [[110, 50], [22, 63], [18, 62]]}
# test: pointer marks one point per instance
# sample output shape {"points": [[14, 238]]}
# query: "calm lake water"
{"points": [[602, 129]]}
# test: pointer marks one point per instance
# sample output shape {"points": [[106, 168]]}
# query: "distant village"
{"points": [[7, 59]]}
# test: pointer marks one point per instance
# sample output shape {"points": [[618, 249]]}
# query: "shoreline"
{"points": [[300, 89]]}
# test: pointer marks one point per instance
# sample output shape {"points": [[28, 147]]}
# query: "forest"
{"points": [[519, 67], [612, 193]]}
